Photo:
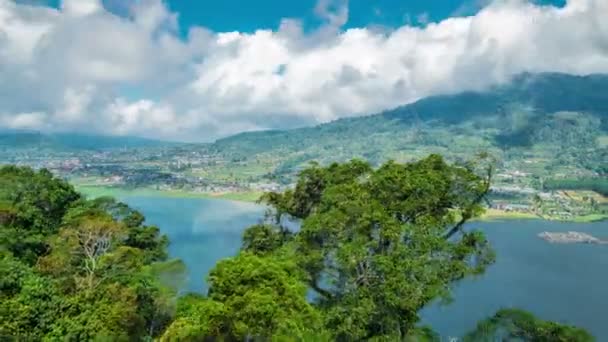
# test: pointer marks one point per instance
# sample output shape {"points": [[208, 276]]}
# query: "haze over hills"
{"points": [[72, 141]]}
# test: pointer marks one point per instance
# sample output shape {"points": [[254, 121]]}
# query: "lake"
{"points": [[565, 283]]}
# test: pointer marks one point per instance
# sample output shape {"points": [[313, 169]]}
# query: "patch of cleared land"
{"points": [[100, 191]]}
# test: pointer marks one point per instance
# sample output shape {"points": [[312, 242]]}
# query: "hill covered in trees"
{"points": [[558, 117], [374, 247]]}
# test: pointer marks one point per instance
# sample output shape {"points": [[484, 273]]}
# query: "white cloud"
{"points": [[81, 7], [84, 68], [141, 116], [22, 120]]}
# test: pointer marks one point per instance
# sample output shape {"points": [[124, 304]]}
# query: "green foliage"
{"points": [[378, 245], [518, 325], [138, 235], [263, 238], [264, 296], [374, 246], [32, 205], [599, 185], [249, 297], [99, 274], [198, 319], [107, 314], [535, 115], [27, 301]]}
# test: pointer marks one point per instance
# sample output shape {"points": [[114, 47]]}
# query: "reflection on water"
{"points": [[201, 231], [565, 283]]}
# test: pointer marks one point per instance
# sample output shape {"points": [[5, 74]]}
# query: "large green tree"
{"points": [[249, 297], [377, 245], [372, 246], [518, 325], [32, 205]]}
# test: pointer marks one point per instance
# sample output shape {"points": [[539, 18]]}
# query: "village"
{"points": [[190, 170]]}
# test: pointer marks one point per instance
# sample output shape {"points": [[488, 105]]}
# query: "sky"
{"points": [[200, 70]]}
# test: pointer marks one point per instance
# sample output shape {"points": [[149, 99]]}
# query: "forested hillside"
{"points": [[375, 246], [558, 117]]}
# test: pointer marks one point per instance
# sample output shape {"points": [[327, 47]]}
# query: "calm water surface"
{"points": [[566, 283]]}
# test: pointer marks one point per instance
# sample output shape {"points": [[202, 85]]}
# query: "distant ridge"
{"points": [[543, 93], [540, 94], [73, 141]]}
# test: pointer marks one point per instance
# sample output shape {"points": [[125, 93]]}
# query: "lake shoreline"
{"points": [[497, 215], [100, 191], [253, 196]]}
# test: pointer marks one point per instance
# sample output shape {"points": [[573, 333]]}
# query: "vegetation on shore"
{"points": [[489, 214], [494, 214], [375, 247]]}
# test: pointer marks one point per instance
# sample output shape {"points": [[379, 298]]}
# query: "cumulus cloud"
{"points": [[83, 68], [81, 7]]}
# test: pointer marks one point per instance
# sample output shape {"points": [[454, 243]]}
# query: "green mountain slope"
{"points": [[555, 118]]}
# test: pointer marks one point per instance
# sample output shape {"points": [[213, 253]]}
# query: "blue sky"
{"points": [[235, 15], [196, 70], [250, 15]]}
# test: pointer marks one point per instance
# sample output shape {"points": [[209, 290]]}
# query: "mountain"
{"points": [[72, 141], [545, 93], [545, 113]]}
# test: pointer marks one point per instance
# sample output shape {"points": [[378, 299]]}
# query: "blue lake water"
{"points": [[565, 283]]}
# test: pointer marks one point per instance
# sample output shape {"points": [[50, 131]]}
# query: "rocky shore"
{"points": [[570, 237]]}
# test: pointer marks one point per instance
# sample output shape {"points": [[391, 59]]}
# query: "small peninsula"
{"points": [[571, 237]]}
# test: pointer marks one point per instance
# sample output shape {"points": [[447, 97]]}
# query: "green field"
{"points": [[590, 218], [493, 214], [100, 191]]}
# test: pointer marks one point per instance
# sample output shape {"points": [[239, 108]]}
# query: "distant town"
{"points": [[194, 171]]}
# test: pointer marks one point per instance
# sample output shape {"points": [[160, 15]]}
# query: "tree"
{"points": [[373, 246], [263, 238], [32, 205], [109, 274], [197, 319], [376, 246], [537, 202], [78, 250], [147, 238], [158, 292], [250, 297], [518, 325], [28, 301]]}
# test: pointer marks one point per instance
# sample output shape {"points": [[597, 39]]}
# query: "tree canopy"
{"points": [[518, 325], [352, 253], [79, 269], [376, 246]]}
